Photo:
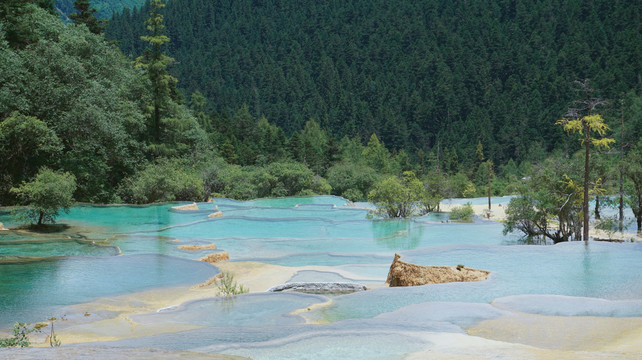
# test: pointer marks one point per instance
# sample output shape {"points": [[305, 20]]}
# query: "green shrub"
{"points": [[462, 213], [228, 287], [20, 336], [278, 179], [395, 197], [353, 195], [166, 180], [349, 176], [46, 195]]}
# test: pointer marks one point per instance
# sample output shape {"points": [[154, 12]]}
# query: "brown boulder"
{"points": [[406, 274]]}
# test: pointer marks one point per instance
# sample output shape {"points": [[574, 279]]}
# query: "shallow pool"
{"points": [[42, 274]]}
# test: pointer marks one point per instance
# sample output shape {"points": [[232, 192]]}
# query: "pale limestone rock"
{"points": [[215, 214], [197, 247], [191, 206]]}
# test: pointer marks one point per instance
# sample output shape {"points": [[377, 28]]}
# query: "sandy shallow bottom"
{"points": [[523, 336]]}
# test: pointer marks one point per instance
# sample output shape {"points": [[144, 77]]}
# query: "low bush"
{"points": [[462, 213], [165, 180]]}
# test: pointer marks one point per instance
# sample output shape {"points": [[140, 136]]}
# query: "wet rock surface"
{"points": [[319, 287]]}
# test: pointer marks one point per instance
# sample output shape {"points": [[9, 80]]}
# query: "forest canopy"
{"points": [[425, 75]]}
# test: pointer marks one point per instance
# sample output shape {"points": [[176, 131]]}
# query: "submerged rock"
{"points": [[406, 274], [215, 257], [191, 206], [319, 287]]}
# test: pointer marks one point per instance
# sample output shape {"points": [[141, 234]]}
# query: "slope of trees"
{"points": [[429, 75], [104, 8], [71, 101]]}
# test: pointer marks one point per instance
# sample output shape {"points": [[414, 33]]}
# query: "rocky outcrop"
{"points": [[2, 228], [406, 274], [215, 257], [197, 247], [191, 206], [215, 214], [319, 287]]}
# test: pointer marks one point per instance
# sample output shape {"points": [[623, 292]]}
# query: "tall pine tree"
{"points": [[17, 32], [85, 15], [155, 63]]}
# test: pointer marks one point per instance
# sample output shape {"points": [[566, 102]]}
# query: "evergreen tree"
{"points": [[582, 121], [18, 33], [85, 15], [155, 63], [47, 5]]}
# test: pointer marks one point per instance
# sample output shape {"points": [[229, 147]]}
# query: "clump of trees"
{"points": [[550, 202]]}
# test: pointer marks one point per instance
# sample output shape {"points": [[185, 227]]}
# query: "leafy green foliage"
{"points": [[352, 181], [46, 195], [462, 213], [397, 197], [276, 179], [166, 180], [550, 204], [20, 336], [228, 287], [86, 93], [26, 144], [585, 124]]}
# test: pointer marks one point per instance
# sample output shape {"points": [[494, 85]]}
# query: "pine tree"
{"points": [[155, 63], [17, 31], [581, 120], [85, 15]]}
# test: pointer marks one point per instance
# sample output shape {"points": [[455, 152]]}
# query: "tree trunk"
{"points": [[489, 173], [621, 223], [40, 218], [597, 207], [585, 205]]}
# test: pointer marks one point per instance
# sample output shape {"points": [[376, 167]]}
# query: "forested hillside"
{"points": [[104, 8], [422, 74], [70, 101]]}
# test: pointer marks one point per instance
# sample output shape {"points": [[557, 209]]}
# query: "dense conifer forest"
{"points": [[104, 8], [429, 75]]}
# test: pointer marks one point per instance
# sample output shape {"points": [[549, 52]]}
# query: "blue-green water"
{"points": [[113, 250], [37, 290]]}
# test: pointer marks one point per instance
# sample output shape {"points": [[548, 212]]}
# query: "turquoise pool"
{"points": [[112, 250]]}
